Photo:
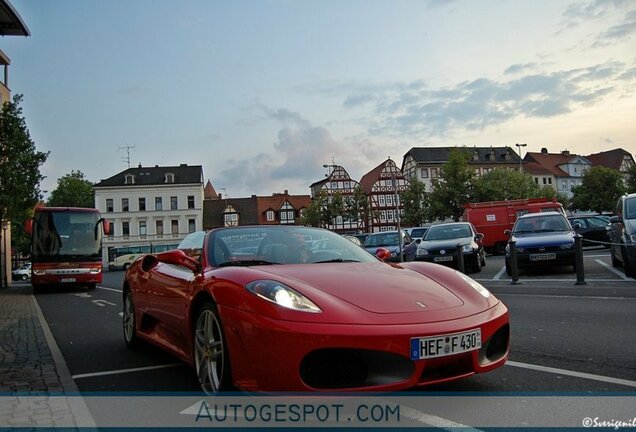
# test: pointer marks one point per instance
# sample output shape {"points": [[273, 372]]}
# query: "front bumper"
{"points": [[470, 258], [274, 355], [562, 258]]}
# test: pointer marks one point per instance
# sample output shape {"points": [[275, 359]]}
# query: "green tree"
{"points": [[505, 184], [453, 188], [20, 163], [318, 213], [599, 190], [357, 208], [414, 203], [73, 190], [631, 179]]}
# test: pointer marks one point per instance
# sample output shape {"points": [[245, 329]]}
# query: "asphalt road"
{"points": [[565, 337]]}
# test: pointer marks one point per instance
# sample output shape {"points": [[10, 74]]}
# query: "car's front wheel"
{"points": [[24, 277], [130, 332], [211, 358]]}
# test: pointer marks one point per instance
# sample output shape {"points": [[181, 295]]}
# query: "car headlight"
{"points": [[421, 252], [476, 285], [95, 270], [468, 248], [566, 246], [282, 295], [39, 272]]}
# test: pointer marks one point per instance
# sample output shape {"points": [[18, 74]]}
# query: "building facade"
{"points": [[338, 181], [382, 185], [563, 171], [277, 209], [425, 163], [156, 206]]}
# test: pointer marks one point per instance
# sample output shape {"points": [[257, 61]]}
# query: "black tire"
{"points": [[630, 269], [129, 322], [125, 266], [615, 261], [210, 351], [24, 277]]}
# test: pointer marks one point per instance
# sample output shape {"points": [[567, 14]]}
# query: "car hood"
{"points": [[444, 244], [543, 239], [381, 289]]}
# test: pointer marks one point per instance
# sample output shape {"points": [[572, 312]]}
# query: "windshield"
{"points": [[541, 224], [382, 239], [281, 245], [447, 232], [66, 236], [630, 208]]}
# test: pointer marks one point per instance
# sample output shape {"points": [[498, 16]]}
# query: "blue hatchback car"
{"points": [[542, 239]]}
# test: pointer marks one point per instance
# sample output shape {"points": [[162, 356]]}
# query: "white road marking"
{"points": [[566, 296], [575, 374], [499, 273], [109, 289], [103, 303], [613, 270], [83, 295], [123, 371]]}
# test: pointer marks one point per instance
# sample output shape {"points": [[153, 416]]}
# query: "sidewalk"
{"points": [[31, 366]]}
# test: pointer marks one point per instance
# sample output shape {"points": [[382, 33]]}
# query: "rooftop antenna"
{"points": [[128, 148]]}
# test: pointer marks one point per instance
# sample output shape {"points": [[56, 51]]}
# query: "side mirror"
{"points": [[418, 241], [383, 254], [179, 258], [615, 219], [479, 237], [508, 232], [28, 226], [576, 226]]}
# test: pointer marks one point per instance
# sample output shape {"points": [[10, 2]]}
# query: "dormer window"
{"points": [[492, 155], [169, 178], [475, 155], [129, 179]]}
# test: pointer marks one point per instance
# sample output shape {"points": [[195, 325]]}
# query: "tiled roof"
{"points": [[209, 192], [551, 161], [183, 174], [611, 159], [441, 154]]}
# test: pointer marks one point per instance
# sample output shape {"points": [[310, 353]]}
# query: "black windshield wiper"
{"points": [[246, 263], [339, 260]]}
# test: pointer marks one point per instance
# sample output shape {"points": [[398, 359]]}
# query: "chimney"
{"points": [[220, 196], [544, 150], [139, 164], [565, 152], [286, 192]]}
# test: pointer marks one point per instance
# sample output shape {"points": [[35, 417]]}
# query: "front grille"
{"points": [[339, 368]]}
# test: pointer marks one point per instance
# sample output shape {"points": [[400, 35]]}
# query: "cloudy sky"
{"points": [[262, 93]]}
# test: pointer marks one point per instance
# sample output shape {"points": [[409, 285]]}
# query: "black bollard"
{"points": [[578, 260], [460, 258], [514, 269]]}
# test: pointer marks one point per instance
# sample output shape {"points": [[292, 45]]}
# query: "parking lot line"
{"points": [[109, 289], [123, 371], [613, 270], [575, 374]]}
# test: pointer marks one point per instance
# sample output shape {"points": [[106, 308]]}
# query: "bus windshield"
{"points": [[66, 236]]}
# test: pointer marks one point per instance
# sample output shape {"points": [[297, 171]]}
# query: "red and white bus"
{"points": [[66, 246]]}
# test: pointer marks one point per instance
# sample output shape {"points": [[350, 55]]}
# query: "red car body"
{"points": [[363, 319]]}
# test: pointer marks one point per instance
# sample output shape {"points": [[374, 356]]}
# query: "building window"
{"points": [[125, 229], [230, 219], [192, 226], [382, 215], [129, 179], [169, 178], [109, 205], [390, 215], [424, 172], [111, 233], [389, 200], [269, 215], [158, 203], [143, 229], [159, 228], [434, 172], [173, 203], [381, 201], [142, 204], [174, 225], [124, 204], [287, 216], [190, 201]]}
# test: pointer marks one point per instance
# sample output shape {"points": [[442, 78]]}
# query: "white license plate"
{"points": [[543, 256], [445, 345], [443, 258], [67, 280]]}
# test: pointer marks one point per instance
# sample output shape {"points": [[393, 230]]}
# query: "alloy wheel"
{"points": [[209, 354]]}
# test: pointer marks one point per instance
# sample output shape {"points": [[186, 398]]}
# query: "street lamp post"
{"points": [[520, 158]]}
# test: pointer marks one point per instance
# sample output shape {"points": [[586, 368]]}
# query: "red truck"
{"points": [[494, 217]]}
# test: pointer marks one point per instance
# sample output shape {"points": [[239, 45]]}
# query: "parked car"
{"points": [[542, 239], [623, 235], [416, 233], [440, 243], [22, 273], [389, 240], [355, 240], [593, 228], [270, 321]]}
